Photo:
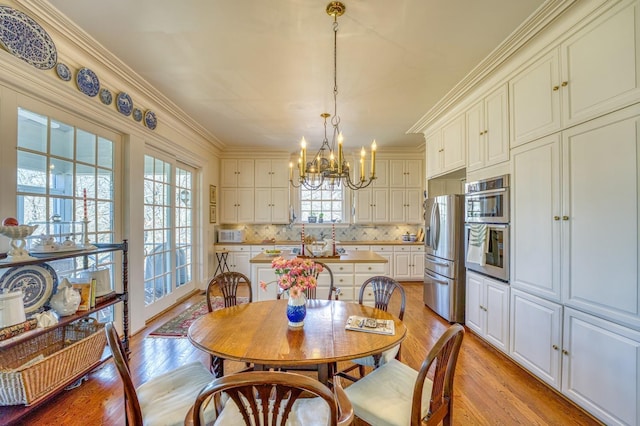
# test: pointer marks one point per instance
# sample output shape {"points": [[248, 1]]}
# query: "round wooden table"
{"points": [[258, 332]]}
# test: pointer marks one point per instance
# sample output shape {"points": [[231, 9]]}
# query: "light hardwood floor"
{"points": [[489, 388]]}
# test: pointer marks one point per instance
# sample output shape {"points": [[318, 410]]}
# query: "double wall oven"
{"points": [[487, 215]]}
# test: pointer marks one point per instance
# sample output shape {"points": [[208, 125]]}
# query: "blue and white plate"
{"points": [[88, 82], [150, 119], [106, 97], [26, 39], [137, 114], [36, 282], [124, 104], [63, 71]]}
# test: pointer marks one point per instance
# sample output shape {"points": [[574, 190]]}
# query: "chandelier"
{"points": [[329, 165]]}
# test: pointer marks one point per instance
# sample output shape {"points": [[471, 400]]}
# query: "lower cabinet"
{"points": [[385, 251], [601, 367], [487, 309], [536, 335], [408, 263], [238, 258]]}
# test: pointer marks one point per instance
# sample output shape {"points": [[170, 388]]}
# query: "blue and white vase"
{"points": [[296, 310]]}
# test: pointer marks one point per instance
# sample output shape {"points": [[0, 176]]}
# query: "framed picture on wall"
{"points": [[212, 194], [212, 213]]}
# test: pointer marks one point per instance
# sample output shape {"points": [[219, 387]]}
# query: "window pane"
{"points": [[32, 131], [86, 147], [60, 177], [61, 140], [32, 173], [326, 201], [32, 209], [105, 153], [105, 184]]}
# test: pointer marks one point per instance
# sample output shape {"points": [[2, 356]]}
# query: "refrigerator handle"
{"points": [[435, 237], [434, 279]]}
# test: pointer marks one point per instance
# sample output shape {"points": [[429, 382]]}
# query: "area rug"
{"points": [[179, 325]]}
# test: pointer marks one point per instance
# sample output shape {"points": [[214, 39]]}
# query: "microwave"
{"points": [[230, 235], [487, 201]]}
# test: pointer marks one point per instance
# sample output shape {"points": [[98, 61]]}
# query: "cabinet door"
{"points": [[380, 205], [397, 173], [536, 218], [433, 142], [364, 206], [245, 205], [496, 135], [474, 305], [241, 260], [600, 65], [600, 368], [262, 208], [497, 321], [263, 272], [279, 173], [229, 173], [280, 205], [413, 209], [397, 205], [453, 144], [475, 136], [245, 173], [401, 262], [228, 202], [413, 174], [536, 335], [417, 264], [535, 100], [600, 203], [263, 173]]}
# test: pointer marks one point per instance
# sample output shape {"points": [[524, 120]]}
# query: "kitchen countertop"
{"points": [[348, 257], [340, 243]]}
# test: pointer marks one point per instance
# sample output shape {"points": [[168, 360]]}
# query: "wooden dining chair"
{"points": [[383, 289], [396, 394], [272, 398], [228, 286], [311, 293], [162, 400]]}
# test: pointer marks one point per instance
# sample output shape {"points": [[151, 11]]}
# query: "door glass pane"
{"points": [[61, 140], [32, 172], [32, 131], [105, 153], [86, 147]]}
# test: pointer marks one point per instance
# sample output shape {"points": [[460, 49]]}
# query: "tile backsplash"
{"points": [[343, 233]]}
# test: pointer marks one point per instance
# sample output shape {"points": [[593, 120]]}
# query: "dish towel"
{"points": [[478, 243]]}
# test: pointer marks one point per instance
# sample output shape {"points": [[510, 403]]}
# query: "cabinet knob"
{"points": [[556, 218], [565, 217], [564, 83], [555, 347], [481, 133], [565, 352], [556, 88]]}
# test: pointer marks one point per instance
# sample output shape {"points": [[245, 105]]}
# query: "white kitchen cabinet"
{"points": [[238, 257], [405, 173], [372, 205], [534, 100], [237, 205], [600, 368], [343, 279], [271, 173], [405, 206], [487, 130], [446, 147], [595, 70], [536, 335], [487, 309], [408, 263], [385, 251], [237, 173], [271, 205], [535, 218], [362, 272]]}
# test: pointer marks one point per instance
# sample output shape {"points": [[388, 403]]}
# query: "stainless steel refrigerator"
{"points": [[444, 272]]}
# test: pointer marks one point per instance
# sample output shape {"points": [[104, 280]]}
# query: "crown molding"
{"points": [[536, 22]]}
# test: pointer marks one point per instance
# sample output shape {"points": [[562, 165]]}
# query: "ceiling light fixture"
{"points": [[329, 164]]}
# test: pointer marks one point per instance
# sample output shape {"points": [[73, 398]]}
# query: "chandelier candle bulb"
{"points": [[290, 171], [340, 158], [373, 158]]}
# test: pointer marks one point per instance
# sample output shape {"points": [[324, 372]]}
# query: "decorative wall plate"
{"points": [[124, 104], [106, 97], [87, 82], [137, 114], [63, 71], [150, 119], [26, 39], [37, 283]]}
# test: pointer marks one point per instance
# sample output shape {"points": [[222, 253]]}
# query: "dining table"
{"points": [[259, 333]]}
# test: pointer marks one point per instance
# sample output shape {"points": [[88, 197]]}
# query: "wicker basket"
{"points": [[36, 367]]}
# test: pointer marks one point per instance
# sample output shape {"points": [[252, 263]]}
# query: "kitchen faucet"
{"points": [[322, 235]]}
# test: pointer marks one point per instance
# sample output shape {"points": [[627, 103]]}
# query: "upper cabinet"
{"points": [[271, 173], [237, 173], [405, 173], [592, 72], [487, 126], [446, 147]]}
